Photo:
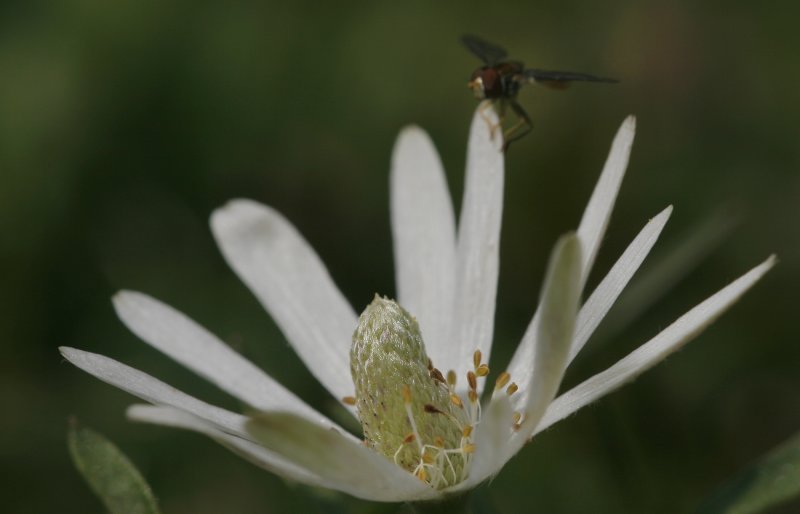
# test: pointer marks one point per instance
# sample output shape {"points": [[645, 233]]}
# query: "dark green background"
{"points": [[124, 124]]}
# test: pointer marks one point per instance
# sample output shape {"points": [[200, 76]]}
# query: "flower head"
{"points": [[412, 371]]}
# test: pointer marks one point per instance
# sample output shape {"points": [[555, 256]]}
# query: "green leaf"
{"points": [[109, 473], [774, 479]]}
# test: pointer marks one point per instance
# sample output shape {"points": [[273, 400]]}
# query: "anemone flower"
{"points": [[412, 372]]}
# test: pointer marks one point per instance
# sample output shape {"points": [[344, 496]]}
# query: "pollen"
{"points": [[476, 358], [349, 400], [472, 381], [502, 380]]}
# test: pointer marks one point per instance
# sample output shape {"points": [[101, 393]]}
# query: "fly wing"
{"points": [[487, 52], [561, 79]]}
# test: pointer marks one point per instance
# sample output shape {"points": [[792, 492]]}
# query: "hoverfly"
{"points": [[499, 80]]}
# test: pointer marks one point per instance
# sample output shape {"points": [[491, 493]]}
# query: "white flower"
{"points": [[448, 280]]}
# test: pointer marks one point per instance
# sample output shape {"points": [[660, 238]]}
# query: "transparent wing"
{"points": [[483, 50], [561, 79]]}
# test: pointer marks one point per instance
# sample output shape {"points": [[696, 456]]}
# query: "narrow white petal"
{"points": [[176, 335], [591, 231], [280, 465], [423, 226], [491, 440], [153, 390], [292, 284], [329, 455], [670, 339], [478, 247], [559, 308], [258, 455], [598, 211], [609, 289]]}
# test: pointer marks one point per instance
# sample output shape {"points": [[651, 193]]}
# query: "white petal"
{"points": [[373, 488], [591, 231], [491, 439], [292, 284], [606, 293], [326, 453], [559, 308], [153, 390], [598, 211], [478, 246], [670, 339], [258, 455], [176, 335], [423, 226]]}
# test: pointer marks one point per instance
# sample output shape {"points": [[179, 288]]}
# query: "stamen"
{"points": [[409, 438], [349, 400], [502, 380], [467, 431], [472, 381], [468, 448], [406, 394], [431, 409], [456, 400], [517, 421], [437, 375], [476, 358], [512, 389], [451, 378], [410, 415], [473, 396], [438, 442], [482, 370]]}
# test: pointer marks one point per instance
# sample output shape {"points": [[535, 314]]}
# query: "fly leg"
{"points": [[520, 128], [493, 127]]}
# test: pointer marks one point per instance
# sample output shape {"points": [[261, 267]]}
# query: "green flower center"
{"points": [[409, 411]]}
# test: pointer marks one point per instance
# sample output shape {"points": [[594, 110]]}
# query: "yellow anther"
{"points": [[473, 396], [502, 380], [427, 458], [511, 389], [471, 380], [438, 442], [456, 400], [451, 378], [406, 395], [422, 474], [517, 417], [482, 370], [349, 400], [409, 439], [468, 448], [476, 358], [467, 431]]}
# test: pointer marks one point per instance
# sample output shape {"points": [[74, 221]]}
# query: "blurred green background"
{"points": [[124, 124]]}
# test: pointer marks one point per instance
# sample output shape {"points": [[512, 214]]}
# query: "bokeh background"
{"points": [[124, 124]]}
